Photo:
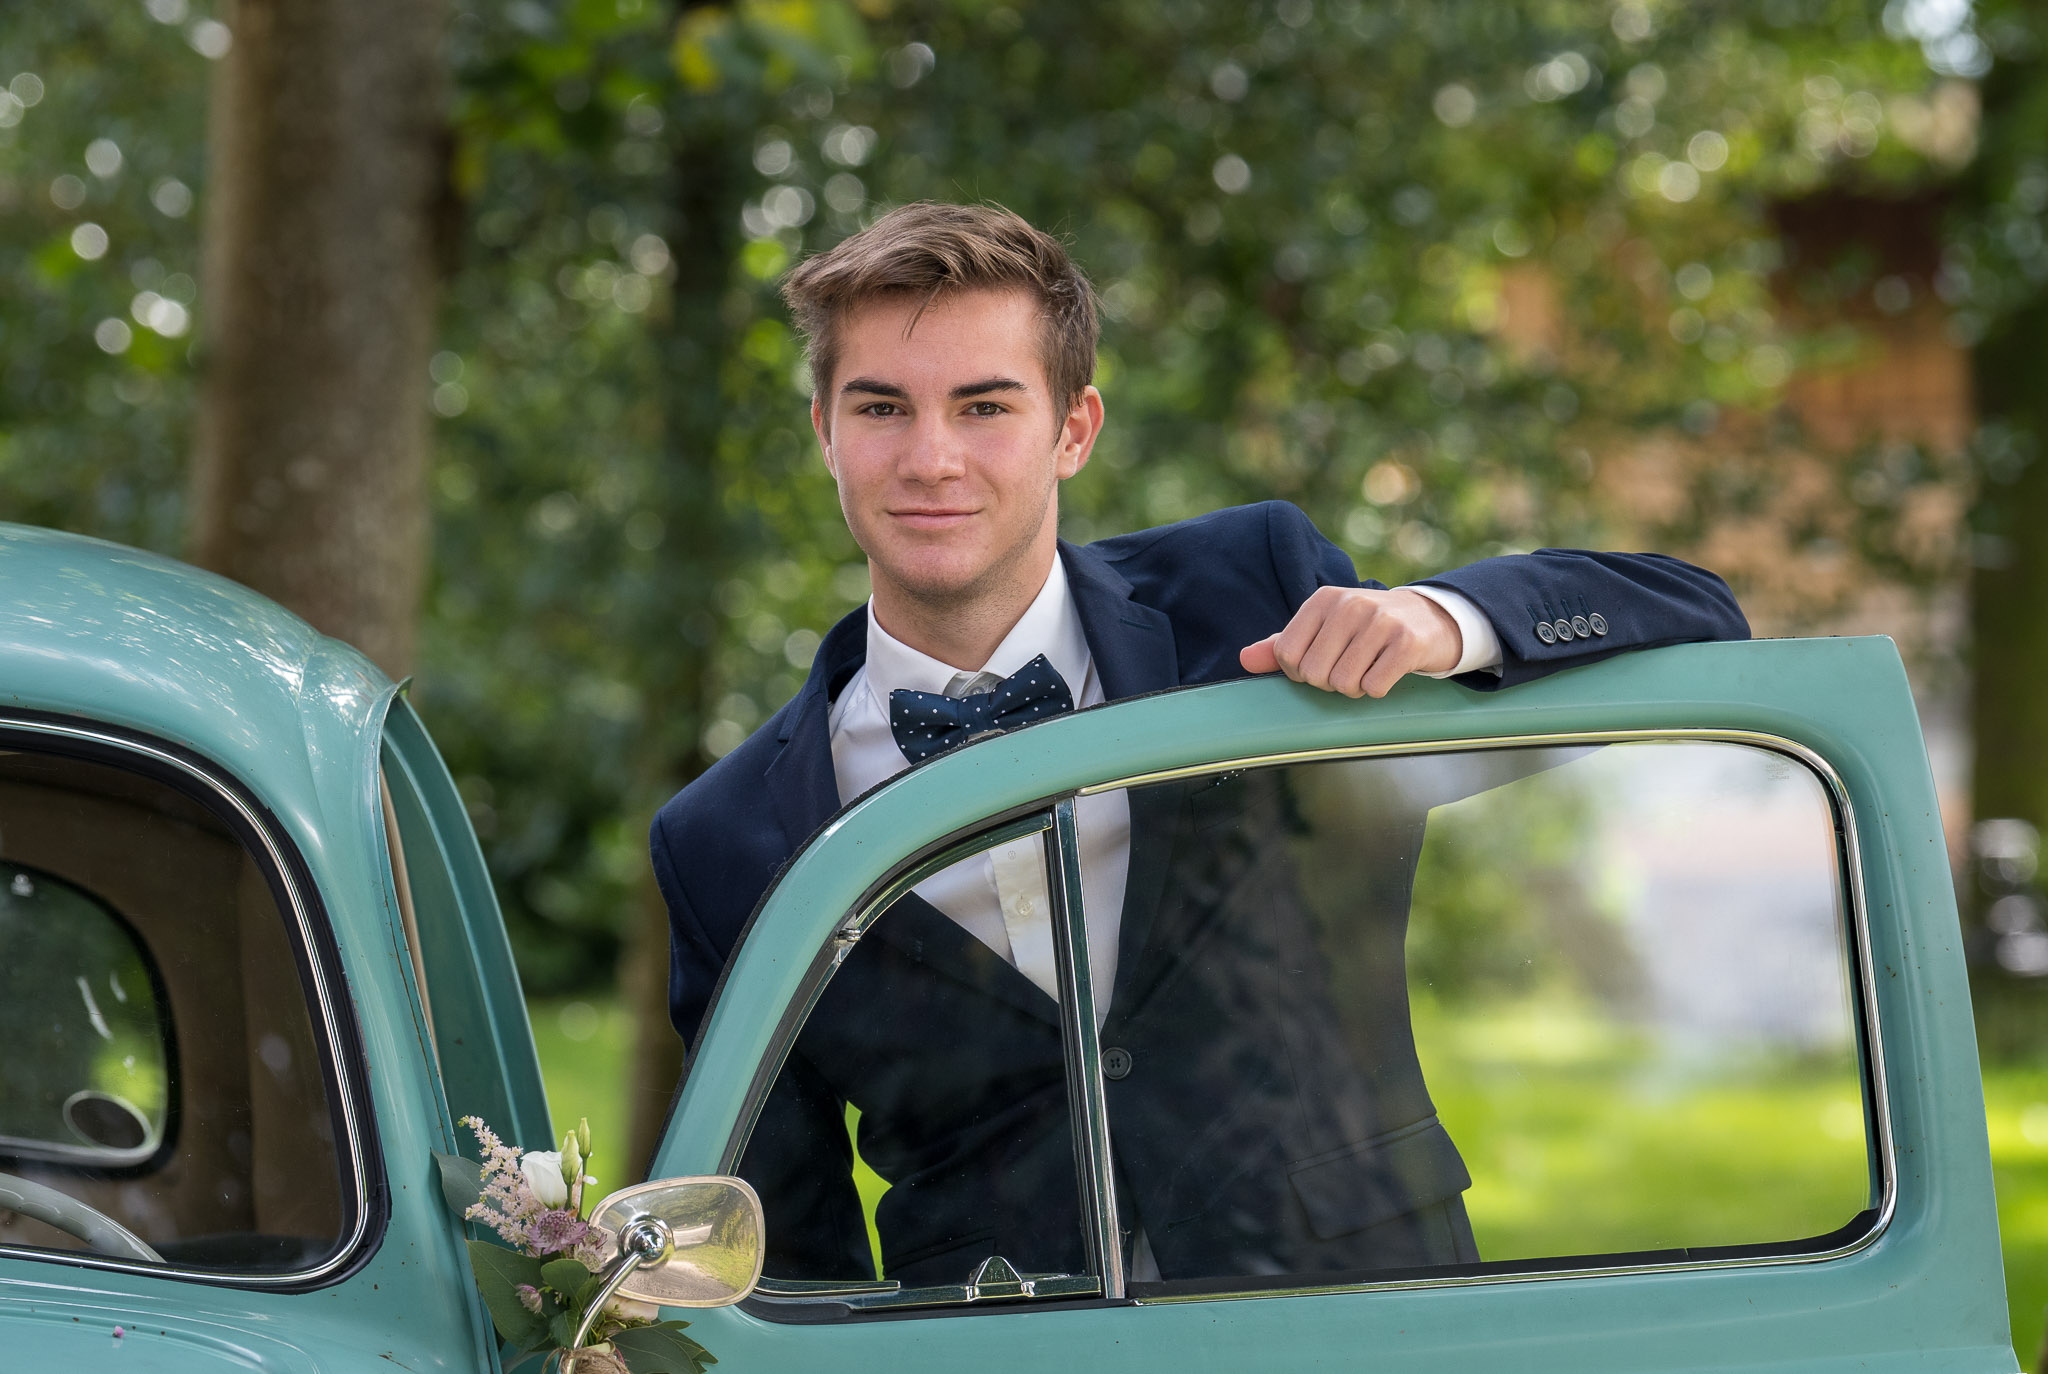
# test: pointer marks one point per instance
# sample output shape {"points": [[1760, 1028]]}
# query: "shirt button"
{"points": [[1023, 906], [1116, 1063]]}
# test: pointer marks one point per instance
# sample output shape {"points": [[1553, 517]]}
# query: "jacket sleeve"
{"points": [[1561, 608]]}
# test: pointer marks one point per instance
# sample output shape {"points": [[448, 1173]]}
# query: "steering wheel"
{"points": [[65, 1212]]}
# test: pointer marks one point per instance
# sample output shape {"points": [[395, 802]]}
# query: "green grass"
{"points": [[1556, 1150], [583, 1047]]}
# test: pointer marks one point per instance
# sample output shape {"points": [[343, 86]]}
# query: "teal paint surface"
{"points": [[98, 633], [95, 632], [1926, 1294]]}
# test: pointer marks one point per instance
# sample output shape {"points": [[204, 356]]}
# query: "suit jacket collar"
{"points": [[1133, 648], [1132, 645]]}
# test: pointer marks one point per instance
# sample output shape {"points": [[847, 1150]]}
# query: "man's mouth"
{"points": [[936, 517]]}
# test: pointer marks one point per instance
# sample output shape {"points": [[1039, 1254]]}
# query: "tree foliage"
{"points": [[1416, 266]]}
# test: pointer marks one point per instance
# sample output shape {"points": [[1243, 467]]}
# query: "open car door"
{"points": [[1614, 1021]]}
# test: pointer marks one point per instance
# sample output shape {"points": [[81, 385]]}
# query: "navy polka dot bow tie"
{"points": [[926, 723]]}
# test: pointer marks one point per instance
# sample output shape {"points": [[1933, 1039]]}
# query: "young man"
{"points": [[952, 348]]}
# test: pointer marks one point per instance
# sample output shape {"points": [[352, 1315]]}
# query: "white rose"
{"points": [[543, 1170], [633, 1309]]}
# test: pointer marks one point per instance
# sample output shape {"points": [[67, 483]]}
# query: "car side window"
{"points": [[167, 1096], [917, 1145], [1469, 1012]]}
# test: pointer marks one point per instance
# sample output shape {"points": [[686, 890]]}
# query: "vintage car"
{"points": [[1616, 1021]]}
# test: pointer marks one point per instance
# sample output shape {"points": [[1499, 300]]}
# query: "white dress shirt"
{"points": [[999, 896]]}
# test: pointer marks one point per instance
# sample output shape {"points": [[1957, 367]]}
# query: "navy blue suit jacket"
{"points": [[1160, 608]]}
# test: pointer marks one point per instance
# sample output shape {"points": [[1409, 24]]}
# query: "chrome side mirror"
{"points": [[682, 1242]]}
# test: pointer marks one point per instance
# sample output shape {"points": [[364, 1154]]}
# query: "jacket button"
{"points": [[1598, 622], [1545, 633], [1116, 1063], [1582, 627], [1563, 628]]}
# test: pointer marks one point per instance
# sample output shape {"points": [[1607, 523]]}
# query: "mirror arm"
{"points": [[646, 1240]]}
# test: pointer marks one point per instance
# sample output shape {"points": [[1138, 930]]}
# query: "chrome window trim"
{"points": [[1850, 870], [1087, 1101], [281, 867]]}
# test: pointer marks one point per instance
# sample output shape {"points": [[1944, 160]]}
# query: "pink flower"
{"points": [[529, 1297], [555, 1230]]}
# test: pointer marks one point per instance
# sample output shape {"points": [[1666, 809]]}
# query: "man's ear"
{"points": [[1078, 433], [821, 426]]}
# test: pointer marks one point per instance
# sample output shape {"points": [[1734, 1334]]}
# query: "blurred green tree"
{"points": [[1418, 267]]}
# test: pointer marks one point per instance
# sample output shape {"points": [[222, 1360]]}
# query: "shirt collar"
{"points": [[1050, 625]]}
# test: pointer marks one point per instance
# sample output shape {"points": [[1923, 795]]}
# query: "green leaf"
{"points": [[563, 1329], [661, 1349], [462, 1181], [565, 1276], [498, 1272]]}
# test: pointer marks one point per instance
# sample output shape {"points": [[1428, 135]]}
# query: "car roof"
{"points": [[110, 635]]}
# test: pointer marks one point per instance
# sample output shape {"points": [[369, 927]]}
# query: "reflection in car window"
{"points": [[110, 873], [920, 1125], [1426, 1013], [78, 987]]}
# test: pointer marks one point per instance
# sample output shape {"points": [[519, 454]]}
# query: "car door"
{"points": [[1615, 1021]]}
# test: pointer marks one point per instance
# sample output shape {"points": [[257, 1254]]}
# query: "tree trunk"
{"points": [[709, 174], [2009, 583], [326, 187]]}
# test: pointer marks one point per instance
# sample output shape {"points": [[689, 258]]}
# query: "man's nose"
{"points": [[932, 453]]}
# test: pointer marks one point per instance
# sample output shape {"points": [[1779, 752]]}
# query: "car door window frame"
{"points": [[317, 960], [1055, 815]]}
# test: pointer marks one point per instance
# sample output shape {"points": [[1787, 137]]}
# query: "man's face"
{"points": [[947, 444]]}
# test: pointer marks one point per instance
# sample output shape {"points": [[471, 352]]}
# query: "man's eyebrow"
{"points": [[986, 385], [871, 387]]}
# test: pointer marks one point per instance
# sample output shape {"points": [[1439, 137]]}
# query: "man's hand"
{"points": [[1359, 642]]}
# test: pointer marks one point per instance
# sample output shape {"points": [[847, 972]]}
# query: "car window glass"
{"points": [[79, 987], [919, 1128], [1493, 1008], [167, 981]]}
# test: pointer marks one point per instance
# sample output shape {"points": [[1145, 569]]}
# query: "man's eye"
{"points": [[881, 409], [985, 408]]}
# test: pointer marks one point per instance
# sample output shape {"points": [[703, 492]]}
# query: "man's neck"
{"points": [[962, 631]]}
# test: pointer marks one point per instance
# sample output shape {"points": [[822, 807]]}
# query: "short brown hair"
{"points": [[925, 249]]}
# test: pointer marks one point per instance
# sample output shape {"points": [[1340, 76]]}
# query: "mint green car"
{"points": [[1663, 952]]}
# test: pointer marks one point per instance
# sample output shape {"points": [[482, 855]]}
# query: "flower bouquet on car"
{"points": [[541, 1284]]}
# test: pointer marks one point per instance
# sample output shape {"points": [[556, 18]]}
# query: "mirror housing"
{"points": [[700, 1240]]}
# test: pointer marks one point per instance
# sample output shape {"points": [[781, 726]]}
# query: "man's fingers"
{"points": [[1351, 672], [1259, 657], [1292, 644], [1354, 632]]}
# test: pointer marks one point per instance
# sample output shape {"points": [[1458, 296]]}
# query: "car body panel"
{"points": [[92, 633], [1929, 1282]]}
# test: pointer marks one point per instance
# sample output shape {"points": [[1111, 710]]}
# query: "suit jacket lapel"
{"points": [[1134, 653], [800, 780], [1133, 648], [920, 931], [806, 794], [1132, 643]]}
